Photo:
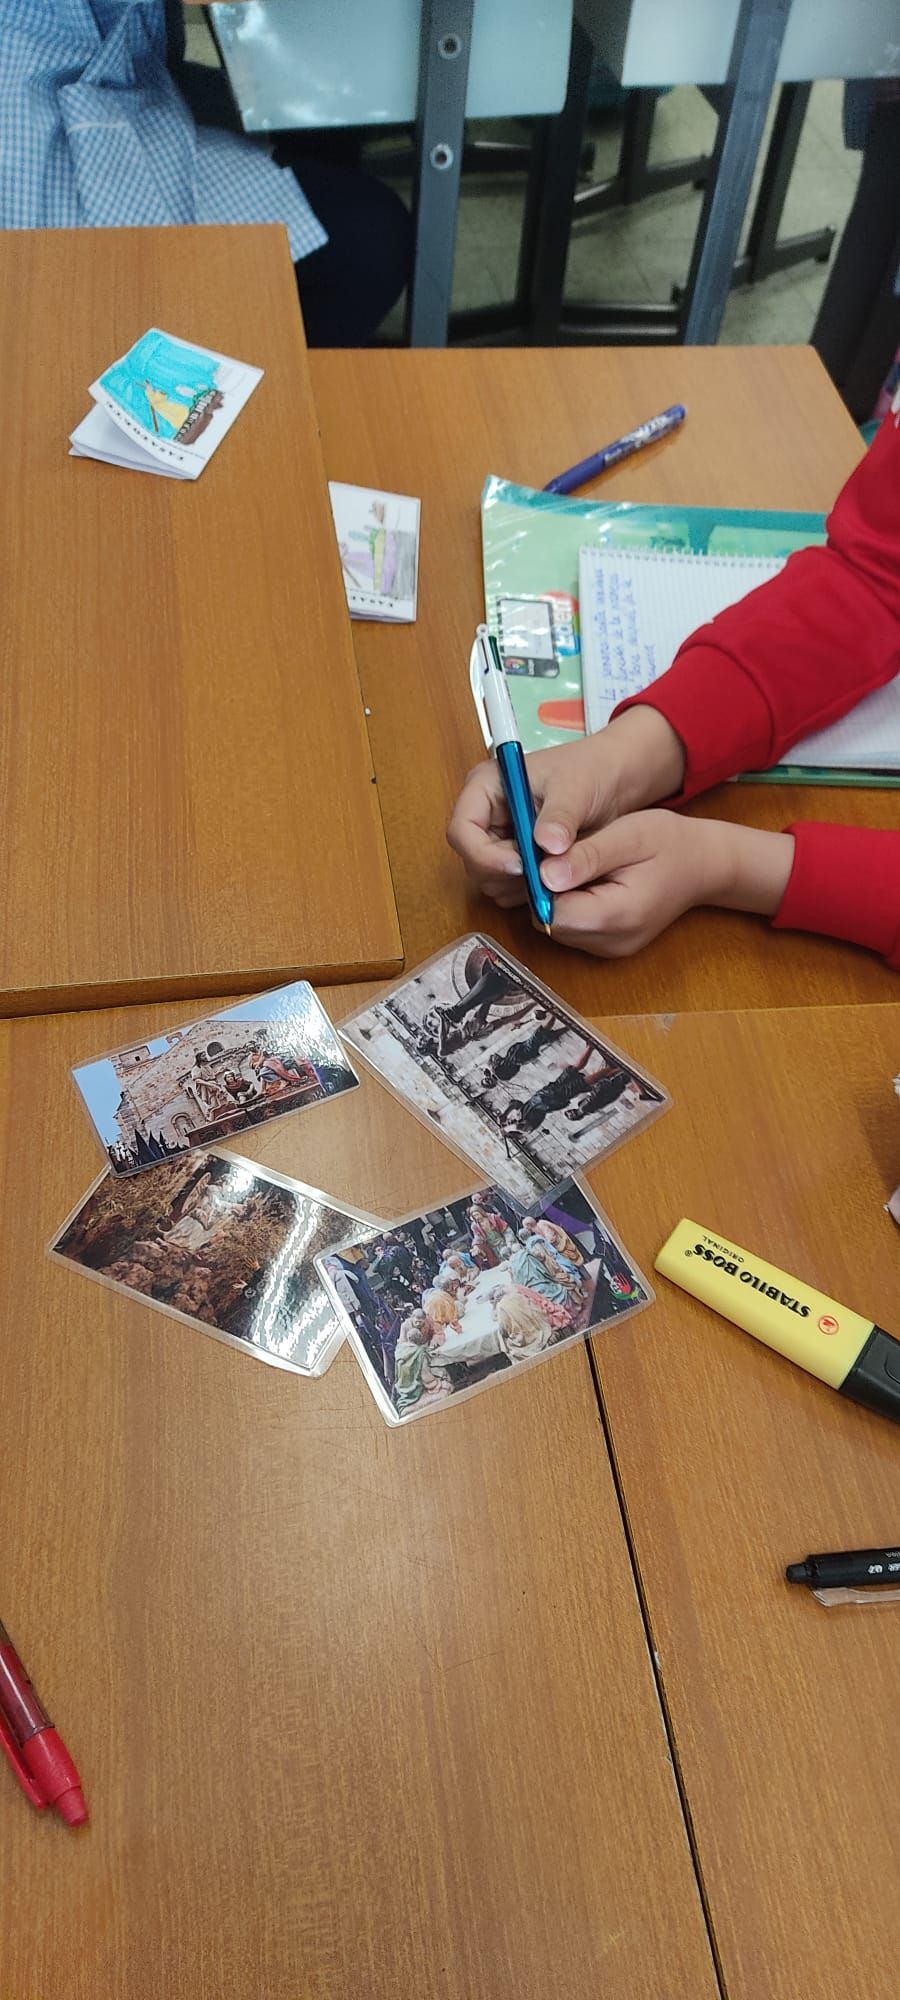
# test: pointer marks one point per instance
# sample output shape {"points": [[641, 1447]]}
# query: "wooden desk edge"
{"points": [[24, 1003]]}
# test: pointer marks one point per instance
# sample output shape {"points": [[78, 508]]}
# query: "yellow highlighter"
{"points": [[847, 1351]]}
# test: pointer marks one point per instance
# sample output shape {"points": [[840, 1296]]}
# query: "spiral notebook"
{"points": [[637, 607]]}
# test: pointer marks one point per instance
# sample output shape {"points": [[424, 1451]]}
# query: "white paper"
{"points": [[98, 437], [638, 606], [164, 407], [378, 541]]}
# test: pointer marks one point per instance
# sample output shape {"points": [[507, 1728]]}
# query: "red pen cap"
{"points": [[28, 1739], [51, 1769]]}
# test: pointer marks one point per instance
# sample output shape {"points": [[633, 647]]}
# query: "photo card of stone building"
{"points": [[210, 1079]]}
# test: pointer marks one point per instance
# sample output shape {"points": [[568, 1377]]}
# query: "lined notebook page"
{"points": [[638, 605]]}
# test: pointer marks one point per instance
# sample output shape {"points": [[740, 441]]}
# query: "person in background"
{"points": [[787, 659], [857, 327], [98, 133], [391, 1272]]}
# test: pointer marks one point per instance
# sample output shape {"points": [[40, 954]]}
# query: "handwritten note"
{"points": [[638, 605]]}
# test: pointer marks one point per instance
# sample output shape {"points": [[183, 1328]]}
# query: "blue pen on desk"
{"points": [[498, 727], [600, 461]]}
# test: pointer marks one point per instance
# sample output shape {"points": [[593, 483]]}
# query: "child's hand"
{"points": [[617, 889], [578, 787]]}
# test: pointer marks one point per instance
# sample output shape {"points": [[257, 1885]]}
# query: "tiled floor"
{"points": [[639, 253]]}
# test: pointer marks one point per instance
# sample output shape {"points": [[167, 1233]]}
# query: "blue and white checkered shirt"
{"points": [[95, 132]]}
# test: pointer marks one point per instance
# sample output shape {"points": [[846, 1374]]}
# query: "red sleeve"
{"points": [[845, 882], [801, 650]]}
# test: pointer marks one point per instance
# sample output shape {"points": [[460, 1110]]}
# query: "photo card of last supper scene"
{"points": [[451, 1299]]}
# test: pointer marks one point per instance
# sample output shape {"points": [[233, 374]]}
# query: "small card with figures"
{"points": [[460, 1296], [378, 542], [501, 1069], [193, 1085], [165, 406]]}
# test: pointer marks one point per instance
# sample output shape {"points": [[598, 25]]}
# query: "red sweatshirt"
{"points": [[790, 658]]}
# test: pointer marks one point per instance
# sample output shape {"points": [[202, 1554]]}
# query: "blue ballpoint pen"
{"points": [[600, 461], [498, 727]]}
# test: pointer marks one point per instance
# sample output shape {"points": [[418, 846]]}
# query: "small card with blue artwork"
{"points": [[165, 406]]}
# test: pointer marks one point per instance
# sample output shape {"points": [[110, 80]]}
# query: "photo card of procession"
{"points": [[502, 1069], [204, 1082], [452, 1299], [224, 1245]]}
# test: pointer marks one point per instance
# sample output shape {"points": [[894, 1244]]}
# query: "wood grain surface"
{"points": [[359, 1712], [765, 429], [784, 1136], [186, 788]]}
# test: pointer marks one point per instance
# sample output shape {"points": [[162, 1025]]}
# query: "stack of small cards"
{"points": [[436, 1305], [164, 407], [378, 542]]}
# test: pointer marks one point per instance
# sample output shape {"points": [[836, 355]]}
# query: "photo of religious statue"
{"points": [[194, 1085], [451, 1299]]}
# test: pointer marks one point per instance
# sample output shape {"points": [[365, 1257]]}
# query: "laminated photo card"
{"points": [[224, 1245], [501, 1069], [451, 1299]]}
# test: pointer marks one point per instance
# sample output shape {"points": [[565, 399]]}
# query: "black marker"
{"points": [[847, 1570]]}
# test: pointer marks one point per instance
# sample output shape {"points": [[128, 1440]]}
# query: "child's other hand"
{"points": [[620, 887], [577, 787]]}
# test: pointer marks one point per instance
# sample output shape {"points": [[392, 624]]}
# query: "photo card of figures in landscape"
{"points": [[223, 1244], [195, 1085], [449, 1300], [501, 1069]]}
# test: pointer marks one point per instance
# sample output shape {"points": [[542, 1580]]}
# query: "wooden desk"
{"points": [[765, 430], [358, 1712], [186, 788], [785, 1135]]}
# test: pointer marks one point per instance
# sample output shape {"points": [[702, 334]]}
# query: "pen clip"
{"points": [[478, 659], [11, 1748]]}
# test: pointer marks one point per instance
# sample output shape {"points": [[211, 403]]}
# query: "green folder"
{"points": [[530, 547]]}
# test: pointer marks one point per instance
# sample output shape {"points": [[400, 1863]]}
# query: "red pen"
{"points": [[37, 1754]]}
